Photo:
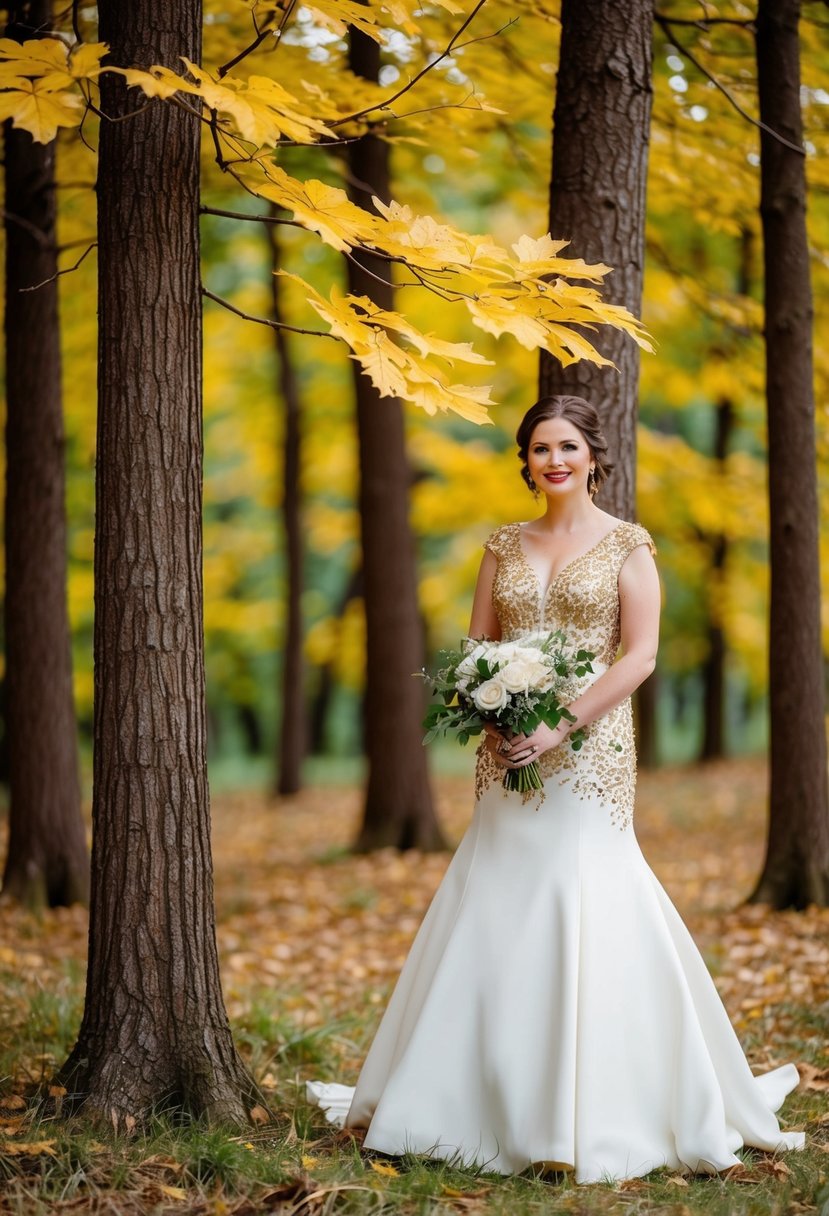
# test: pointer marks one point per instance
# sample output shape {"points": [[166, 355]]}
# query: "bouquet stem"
{"points": [[523, 779]]}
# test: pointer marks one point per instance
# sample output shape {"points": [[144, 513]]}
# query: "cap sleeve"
{"points": [[634, 535], [496, 541]]}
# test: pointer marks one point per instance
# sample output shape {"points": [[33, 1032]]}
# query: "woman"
{"points": [[554, 1012]]}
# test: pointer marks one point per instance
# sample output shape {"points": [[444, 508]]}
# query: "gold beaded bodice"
{"points": [[583, 601]]}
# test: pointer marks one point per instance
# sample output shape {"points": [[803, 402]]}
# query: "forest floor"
{"points": [[311, 939]]}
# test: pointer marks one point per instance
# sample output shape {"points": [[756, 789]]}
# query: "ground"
{"points": [[311, 939]]}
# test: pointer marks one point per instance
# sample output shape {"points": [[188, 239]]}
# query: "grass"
{"points": [[299, 1165], [311, 938]]}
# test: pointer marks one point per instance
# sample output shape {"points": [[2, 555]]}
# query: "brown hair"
{"points": [[582, 415]]}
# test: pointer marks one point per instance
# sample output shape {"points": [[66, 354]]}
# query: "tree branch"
{"points": [[247, 316], [246, 215], [58, 273], [419, 75], [665, 26], [261, 35], [703, 23]]}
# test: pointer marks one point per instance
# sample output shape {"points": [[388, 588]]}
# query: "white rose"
{"points": [[530, 654], [490, 695], [516, 676]]}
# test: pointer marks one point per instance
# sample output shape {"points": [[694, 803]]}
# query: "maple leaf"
{"points": [[49, 60], [337, 15], [326, 210], [39, 110]]}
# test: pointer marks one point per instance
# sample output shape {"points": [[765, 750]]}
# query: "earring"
{"points": [[591, 482]]}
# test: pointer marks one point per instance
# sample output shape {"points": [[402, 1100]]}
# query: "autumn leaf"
{"points": [[384, 1170], [172, 1192], [40, 110], [31, 1148], [326, 210]]}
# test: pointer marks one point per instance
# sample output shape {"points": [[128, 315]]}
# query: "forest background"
{"points": [[703, 284]]}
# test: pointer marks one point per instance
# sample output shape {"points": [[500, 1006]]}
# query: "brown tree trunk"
{"points": [[47, 861], [796, 870], [601, 126], [292, 729], [398, 807], [713, 671], [154, 1027]]}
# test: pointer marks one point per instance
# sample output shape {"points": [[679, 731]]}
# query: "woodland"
{"points": [[280, 281]]}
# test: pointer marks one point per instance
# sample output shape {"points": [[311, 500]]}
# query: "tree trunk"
{"points": [[292, 730], [796, 870], [597, 201], [154, 1027], [47, 861], [398, 806], [713, 670]]}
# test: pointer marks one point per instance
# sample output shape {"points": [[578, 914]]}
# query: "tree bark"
{"points": [[713, 670], [154, 1028], [601, 126], [292, 730], [398, 807], [47, 861], [796, 869]]}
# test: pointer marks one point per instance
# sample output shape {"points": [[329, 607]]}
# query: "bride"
{"points": [[554, 1011]]}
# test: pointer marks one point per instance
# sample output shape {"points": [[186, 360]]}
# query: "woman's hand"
{"points": [[520, 750]]}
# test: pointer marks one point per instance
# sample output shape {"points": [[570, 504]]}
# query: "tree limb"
{"points": [[248, 316], [665, 25], [418, 75]]}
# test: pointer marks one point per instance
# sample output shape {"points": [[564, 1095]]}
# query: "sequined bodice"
{"points": [[582, 601], [583, 598]]}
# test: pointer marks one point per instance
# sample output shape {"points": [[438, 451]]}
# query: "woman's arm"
{"points": [[484, 622], [639, 601]]}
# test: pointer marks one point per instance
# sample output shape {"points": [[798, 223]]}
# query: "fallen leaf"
{"points": [[258, 1114], [32, 1148], [387, 1171], [172, 1192], [677, 1180]]}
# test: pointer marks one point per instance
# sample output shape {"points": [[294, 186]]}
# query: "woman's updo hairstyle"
{"points": [[583, 416]]}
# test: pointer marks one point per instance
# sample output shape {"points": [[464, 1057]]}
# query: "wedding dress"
{"points": [[554, 1008]]}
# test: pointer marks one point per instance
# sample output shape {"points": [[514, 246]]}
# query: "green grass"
{"points": [[299, 1162]]}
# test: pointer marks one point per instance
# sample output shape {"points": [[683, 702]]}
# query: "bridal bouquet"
{"points": [[516, 685]]}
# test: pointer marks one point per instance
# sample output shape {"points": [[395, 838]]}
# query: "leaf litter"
{"points": [[313, 937]]}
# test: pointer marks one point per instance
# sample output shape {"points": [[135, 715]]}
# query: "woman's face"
{"points": [[559, 458]]}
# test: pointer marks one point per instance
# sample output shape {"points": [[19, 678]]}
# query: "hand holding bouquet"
{"points": [[514, 685]]}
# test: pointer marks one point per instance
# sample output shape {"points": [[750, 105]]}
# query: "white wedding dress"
{"points": [[554, 1008]]}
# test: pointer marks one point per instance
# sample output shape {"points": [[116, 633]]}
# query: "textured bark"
{"points": [[154, 1028], [713, 670], [292, 730], [398, 808], [47, 861], [796, 869], [601, 123]]}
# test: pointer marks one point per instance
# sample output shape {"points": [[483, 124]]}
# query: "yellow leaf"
{"points": [[172, 1192], [386, 1171], [339, 14], [158, 82], [308, 1161], [34, 1148], [320, 208], [40, 111]]}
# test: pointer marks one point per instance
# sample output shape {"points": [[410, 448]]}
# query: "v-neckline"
{"points": [[545, 591]]}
